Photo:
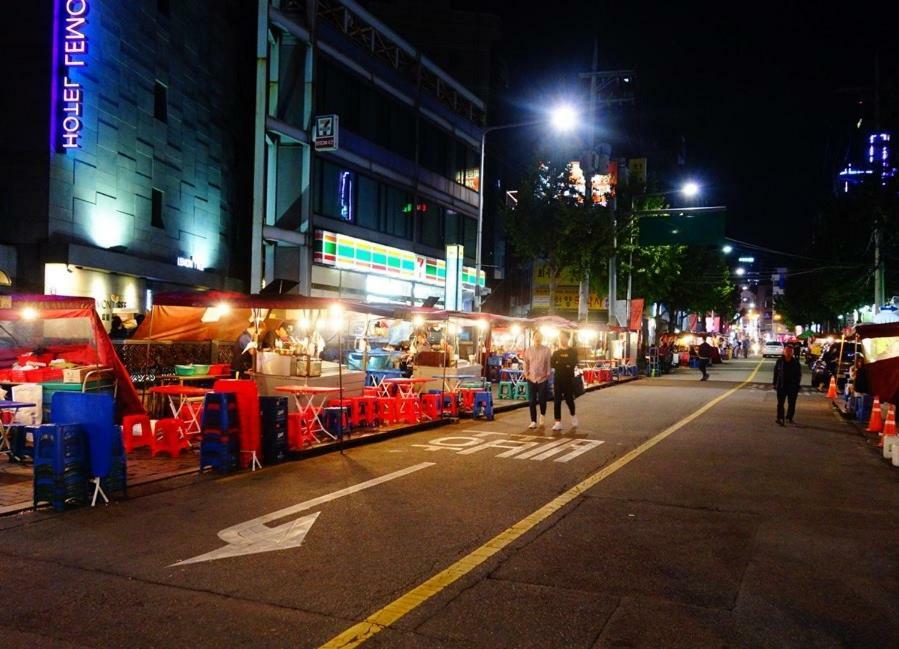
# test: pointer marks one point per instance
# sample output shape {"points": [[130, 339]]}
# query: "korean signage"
{"points": [[325, 133], [566, 293], [70, 49], [349, 253]]}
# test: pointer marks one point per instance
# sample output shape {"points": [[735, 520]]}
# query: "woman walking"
{"points": [[536, 372], [563, 361]]}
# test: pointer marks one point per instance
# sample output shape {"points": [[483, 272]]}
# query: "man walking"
{"points": [[563, 361], [704, 354], [787, 377], [536, 372]]}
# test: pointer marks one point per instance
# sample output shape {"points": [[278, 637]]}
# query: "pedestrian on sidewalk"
{"points": [[787, 377], [536, 373], [563, 362], [746, 347], [704, 357]]}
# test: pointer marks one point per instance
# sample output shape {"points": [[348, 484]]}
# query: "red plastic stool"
{"points": [[431, 405], [387, 410], [371, 392], [468, 397], [137, 431], [298, 434], [409, 409], [171, 438], [370, 410]]}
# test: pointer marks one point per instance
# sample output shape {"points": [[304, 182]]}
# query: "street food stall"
{"points": [[52, 343], [881, 352]]}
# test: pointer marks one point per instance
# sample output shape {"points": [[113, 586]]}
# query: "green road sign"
{"points": [[704, 226]]}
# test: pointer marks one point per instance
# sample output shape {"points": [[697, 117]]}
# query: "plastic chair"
{"points": [[483, 401], [137, 431], [170, 437]]}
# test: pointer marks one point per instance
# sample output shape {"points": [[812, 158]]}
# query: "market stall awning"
{"points": [[24, 309], [212, 299]]}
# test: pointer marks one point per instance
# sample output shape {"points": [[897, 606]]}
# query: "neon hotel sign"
{"points": [[69, 54]]}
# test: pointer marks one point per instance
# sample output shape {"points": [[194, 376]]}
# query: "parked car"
{"points": [[772, 349]]}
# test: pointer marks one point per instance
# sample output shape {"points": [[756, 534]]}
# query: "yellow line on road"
{"points": [[380, 620]]}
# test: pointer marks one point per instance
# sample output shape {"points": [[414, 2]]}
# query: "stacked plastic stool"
{"points": [[520, 391], [483, 402], [220, 428], [60, 465], [274, 429], [337, 419], [506, 390]]}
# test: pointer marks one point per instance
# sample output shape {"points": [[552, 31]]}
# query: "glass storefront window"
{"points": [[430, 219]]}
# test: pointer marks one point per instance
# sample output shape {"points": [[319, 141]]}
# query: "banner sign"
{"points": [[325, 133]]}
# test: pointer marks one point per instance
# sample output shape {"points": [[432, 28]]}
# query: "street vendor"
{"points": [[244, 350], [272, 337]]}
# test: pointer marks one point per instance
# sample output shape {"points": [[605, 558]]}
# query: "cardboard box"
{"points": [[77, 374]]}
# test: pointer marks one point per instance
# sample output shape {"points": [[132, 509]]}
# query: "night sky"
{"points": [[765, 97]]}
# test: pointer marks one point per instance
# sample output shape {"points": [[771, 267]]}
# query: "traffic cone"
{"points": [[889, 433], [832, 390], [875, 424]]}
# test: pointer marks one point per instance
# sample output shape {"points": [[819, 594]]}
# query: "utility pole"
{"points": [[583, 300], [879, 271]]}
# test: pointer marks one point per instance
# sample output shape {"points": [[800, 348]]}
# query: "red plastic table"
{"points": [[183, 396], [305, 396]]}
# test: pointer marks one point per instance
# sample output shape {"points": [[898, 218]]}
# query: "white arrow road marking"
{"points": [[255, 535]]}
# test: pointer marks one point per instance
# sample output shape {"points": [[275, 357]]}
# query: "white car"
{"points": [[772, 348]]}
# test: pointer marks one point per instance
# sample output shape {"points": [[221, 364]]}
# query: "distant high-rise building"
{"points": [[876, 164]]}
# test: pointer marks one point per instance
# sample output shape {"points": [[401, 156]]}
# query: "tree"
{"points": [[552, 223]]}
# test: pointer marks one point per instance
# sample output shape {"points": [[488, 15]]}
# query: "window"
{"points": [[398, 211], [368, 205], [336, 192], [451, 233], [156, 209], [470, 240], [433, 149], [430, 219], [160, 102]]}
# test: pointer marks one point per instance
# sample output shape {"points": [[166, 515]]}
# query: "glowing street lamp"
{"points": [[727, 249], [690, 189], [563, 118], [740, 271]]}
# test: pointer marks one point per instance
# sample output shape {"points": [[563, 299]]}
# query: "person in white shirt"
{"points": [[536, 372]]}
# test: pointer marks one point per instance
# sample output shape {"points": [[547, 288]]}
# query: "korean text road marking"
{"points": [[520, 448]]}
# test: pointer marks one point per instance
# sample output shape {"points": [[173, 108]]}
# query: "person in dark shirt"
{"points": [[704, 354], [241, 356], [787, 377], [563, 362]]}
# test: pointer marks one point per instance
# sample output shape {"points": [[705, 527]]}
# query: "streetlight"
{"points": [[740, 271], [690, 189], [727, 249], [562, 118]]}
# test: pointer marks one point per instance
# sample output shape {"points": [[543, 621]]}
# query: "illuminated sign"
{"points": [[349, 253], [325, 133], [188, 262], [70, 48], [452, 300]]}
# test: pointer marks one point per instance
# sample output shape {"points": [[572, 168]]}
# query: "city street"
{"points": [[729, 531]]}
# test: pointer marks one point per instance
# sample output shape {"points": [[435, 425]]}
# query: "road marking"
{"points": [[255, 535], [520, 448], [382, 619]]}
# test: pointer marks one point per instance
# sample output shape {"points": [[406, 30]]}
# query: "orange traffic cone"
{"points": [[832, 390], [875, 424], [889, 433]]}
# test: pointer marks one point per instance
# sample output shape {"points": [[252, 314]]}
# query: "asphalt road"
{"points": [[707, 525]]}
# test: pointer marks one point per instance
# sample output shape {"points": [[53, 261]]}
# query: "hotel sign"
{"points": [[70, 48]]}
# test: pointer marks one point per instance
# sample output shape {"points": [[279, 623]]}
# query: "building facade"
{"points": [[122, 149], [370, 218]]}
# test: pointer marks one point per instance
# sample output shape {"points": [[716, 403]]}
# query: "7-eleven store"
{"points": [[352, 268]]}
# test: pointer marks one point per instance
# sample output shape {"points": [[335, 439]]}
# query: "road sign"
{"points": [[255, 535], [675, 227], [325, 135]]}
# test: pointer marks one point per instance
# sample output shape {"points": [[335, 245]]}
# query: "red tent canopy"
{"points": [[52, 307]]}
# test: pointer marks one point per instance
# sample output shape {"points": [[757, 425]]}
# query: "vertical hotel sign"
{"points": [[70, 47], [453, 287]]}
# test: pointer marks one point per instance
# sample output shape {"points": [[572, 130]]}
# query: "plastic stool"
{"points": [[387, 411], [366, 409], [337, 419], [409, 409], [483, 400], [521, 390], [220, 412], [506, 389], [171, 437], [431, 405], [137, 431], [298, 434]]}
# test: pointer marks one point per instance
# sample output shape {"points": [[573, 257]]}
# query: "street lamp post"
{"points": [[562, 118]]}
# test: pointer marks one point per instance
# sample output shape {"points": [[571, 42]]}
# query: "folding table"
{"points": [[305, 397]]}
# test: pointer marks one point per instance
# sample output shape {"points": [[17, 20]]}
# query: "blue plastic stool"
{"points": [[218, 452], [337, 419], [220, 412], [483, 400]]}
